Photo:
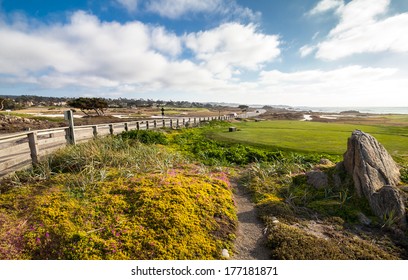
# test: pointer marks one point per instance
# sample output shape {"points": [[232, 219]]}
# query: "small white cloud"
{"points": [[130, 5], [327, 5], [175, 9], [306, 50]]}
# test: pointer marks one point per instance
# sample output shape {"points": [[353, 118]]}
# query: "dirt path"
{"points": [[250, 242]]}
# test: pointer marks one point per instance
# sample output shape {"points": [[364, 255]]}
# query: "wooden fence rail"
{"points": [[25, 149]]}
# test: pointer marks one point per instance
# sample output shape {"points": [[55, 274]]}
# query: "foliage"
{"points": [[146, 136], [171, 216], [291, 243], [116, 199], [404, 173], [281, 192], [87, 104], [9, 104], [211, 152]]}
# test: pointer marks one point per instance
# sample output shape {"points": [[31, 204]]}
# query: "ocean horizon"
{"points": [[367, 110]]}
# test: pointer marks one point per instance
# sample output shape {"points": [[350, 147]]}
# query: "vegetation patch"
{"points": [[291, 243], [146, 136], [90, 201], [166, 195], [313, 137]]}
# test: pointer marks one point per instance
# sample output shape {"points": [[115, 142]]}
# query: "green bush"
{"points": [[146, 136], [211, 152]]}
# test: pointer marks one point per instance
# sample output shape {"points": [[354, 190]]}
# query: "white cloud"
{"points": [[306, 50], [327, 5], [165, 42], [126, 59], [100, 57], [130, 5], [348, 74], [360, 12], [233, 45], [361, 30], [174, 9], [347, 86], [87, 47]]}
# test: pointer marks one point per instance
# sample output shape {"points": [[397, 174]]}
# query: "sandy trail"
{"points": [[251, 242]]}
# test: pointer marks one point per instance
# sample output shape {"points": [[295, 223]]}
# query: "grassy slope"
{"points": [[313, 137], [116, 199]]}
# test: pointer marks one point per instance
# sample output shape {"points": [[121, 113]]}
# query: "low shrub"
{"points": [[179, 215], [146, 136], [291, 243], [113, 198]]}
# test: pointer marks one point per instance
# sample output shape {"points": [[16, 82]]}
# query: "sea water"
{"points": [[367, 110]]}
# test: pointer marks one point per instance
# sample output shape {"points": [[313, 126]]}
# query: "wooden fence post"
{"points": [[164, 123], [155, 124], [33, 143], [70, 132], [171, 123], [147, 125], [137, 125], [177, 123], [95, 131], [126, 126], [111, 129]]}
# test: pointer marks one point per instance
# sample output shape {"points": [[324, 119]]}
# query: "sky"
{"points": [[271, 52]]}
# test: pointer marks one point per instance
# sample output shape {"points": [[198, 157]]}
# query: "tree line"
{"points": [[99, 105]]}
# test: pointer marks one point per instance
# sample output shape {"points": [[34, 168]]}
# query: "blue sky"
{"points": [[293, 52]]}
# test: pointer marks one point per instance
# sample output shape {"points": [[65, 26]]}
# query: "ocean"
{"points": [[369, 110]]}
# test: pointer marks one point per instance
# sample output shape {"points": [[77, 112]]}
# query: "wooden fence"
{"points": [[25, 149]]}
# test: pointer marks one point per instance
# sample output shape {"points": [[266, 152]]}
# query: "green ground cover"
{"points": [[116, 198], [313, 137]]}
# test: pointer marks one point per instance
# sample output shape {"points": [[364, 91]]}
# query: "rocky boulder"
{"points": [[375, 175], [317, 179]]}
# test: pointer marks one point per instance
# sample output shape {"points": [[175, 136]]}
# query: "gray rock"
{"points": [[363, 219], [317, 179], [370, 165], [325, 161], [375, 175], [387, 202], [339, 169]]}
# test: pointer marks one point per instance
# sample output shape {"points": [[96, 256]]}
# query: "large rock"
{"points": [[375, 175]]}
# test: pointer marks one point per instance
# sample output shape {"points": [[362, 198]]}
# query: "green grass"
{"points": [[313, 137]]}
